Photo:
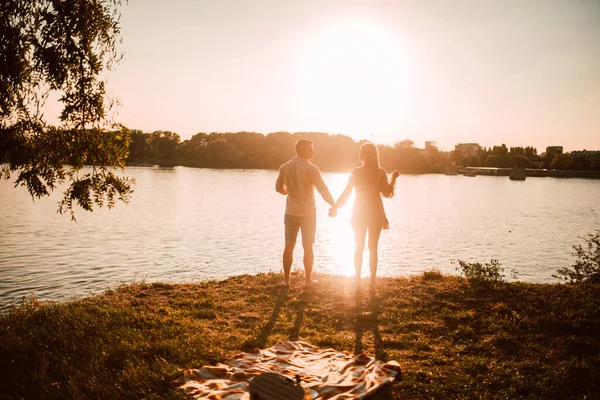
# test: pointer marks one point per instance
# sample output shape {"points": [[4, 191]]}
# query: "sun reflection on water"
{"points": [[342, 241], [338, 237]]}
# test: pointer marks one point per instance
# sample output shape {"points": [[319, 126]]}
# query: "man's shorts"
{"points": [[307, 224]]}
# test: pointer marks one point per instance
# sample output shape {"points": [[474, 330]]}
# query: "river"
{"points": [[186, 225]]}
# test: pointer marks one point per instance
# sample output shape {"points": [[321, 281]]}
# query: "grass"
{"points": [[453, 339]]}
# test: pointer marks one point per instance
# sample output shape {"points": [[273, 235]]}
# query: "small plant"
{"points": [[587, 265], [488, 272], [432, 275]]}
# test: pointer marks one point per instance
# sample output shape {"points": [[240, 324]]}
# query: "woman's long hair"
{"points": [[369, 156]]}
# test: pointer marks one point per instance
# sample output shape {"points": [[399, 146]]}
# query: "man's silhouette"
{"points": [[297, 179]]}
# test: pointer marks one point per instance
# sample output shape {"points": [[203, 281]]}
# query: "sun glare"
{"points": [[353, 78], [342, 241], [338, 235]]}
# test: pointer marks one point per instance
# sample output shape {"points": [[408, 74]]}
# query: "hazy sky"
{"points": [[520, 72]]}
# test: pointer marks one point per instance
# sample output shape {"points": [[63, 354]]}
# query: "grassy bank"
{"points": [[451, 338]]}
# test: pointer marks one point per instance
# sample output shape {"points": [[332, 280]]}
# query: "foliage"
{"points": [[587, 265], [453, 340], [525, 157], [61, 47], [520, 161], [250, 150], [492, 160], [492, 272], [560, 161], [579, 164], [432, 275]]}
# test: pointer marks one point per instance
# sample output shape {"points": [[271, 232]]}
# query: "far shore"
{"points": [[452, 338], [491, 171]]}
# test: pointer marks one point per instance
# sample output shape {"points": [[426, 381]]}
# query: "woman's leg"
{"points": [[360, 234], [374, 233]]}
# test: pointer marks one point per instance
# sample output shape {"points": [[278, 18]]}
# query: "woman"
{"points": [[368, 215]]}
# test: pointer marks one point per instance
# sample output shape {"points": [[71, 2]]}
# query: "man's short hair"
{"points": [[302, 145]]}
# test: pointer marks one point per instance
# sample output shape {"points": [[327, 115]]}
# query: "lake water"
{"points": [[187, 224]]}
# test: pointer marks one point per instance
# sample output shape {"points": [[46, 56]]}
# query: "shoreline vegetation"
{"points": [[334, 153], [488, 171], [453, 337]]}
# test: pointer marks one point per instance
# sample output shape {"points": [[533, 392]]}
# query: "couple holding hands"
{"points": [[297, 180]]}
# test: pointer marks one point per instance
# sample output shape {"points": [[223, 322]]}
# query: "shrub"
{"points": [[432, 275], [488, 272], [587, 265]]}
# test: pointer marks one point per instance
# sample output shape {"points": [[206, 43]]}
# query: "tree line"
{"points": [[250, 150], [526, 157], [335, 153]]}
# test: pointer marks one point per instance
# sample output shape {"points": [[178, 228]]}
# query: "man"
{"points": [[297, 179]]}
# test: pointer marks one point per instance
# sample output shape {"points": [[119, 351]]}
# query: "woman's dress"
{"points": [[368, 210]]}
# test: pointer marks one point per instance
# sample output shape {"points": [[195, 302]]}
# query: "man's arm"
{"points": [[279, 185], [322, 187]]}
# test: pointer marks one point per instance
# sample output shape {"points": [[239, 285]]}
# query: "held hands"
{"points": [[333, 211]]}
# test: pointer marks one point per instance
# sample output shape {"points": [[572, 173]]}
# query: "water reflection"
{"points": [[188, 224], [337, 231]]}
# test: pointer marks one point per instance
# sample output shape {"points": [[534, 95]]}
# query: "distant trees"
{"points": [[525, 157], [493, 160], [520, 161], [249, 150], [560, 161], [163, 146], [336, 153]]}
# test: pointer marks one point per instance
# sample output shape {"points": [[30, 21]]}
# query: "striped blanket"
{"points": [[327, 374]]}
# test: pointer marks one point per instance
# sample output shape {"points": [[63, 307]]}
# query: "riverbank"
{"points": [[453, 339], [536, 172], [488, 171]]}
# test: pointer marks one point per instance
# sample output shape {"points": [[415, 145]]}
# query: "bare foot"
{"points": [[286, 283], [311, 282]]}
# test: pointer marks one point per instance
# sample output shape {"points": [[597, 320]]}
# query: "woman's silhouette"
{"points": [[368, 215]]}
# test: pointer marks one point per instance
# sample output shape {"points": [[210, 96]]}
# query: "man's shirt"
{"points": [[300, 177]]}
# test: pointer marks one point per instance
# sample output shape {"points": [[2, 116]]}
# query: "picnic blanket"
{"points": [[328, 374]]}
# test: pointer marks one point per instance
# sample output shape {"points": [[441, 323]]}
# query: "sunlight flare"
{"points": [[354, 77]]}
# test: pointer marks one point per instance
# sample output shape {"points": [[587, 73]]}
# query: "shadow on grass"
{"points": [[305, 299], [261, 339], [368, 321]]}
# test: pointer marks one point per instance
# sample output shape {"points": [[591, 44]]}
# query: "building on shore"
{"points": [[430, 145], [467, 149], [553, 150], [593, 157]]}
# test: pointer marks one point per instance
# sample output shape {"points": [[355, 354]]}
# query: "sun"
{"points": [[353, 78]]}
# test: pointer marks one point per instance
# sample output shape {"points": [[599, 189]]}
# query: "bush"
{"points": [[433, 275], [489, 272], [587, 265]]}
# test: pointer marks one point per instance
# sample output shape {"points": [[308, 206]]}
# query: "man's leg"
{"points": [[309, 258], [309, 229], [288, 259], [291, 233]]}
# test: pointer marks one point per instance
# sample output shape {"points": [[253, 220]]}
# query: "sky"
{"points": [[519, 72]]}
